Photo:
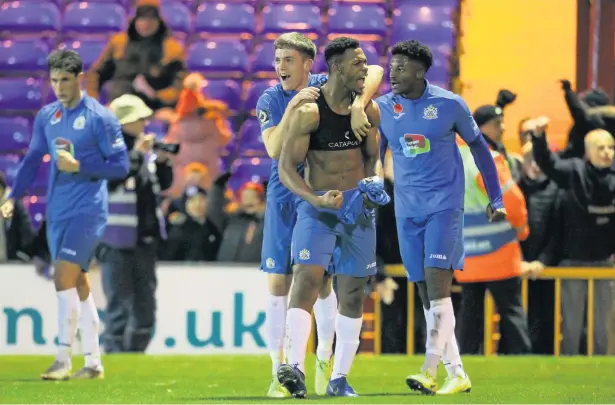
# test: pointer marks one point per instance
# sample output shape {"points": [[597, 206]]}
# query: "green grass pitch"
{"points": [[245, 379]]}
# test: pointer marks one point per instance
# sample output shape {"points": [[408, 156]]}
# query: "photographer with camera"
{"points": [[135, 227]]}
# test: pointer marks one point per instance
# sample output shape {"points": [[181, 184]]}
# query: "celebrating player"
{"points": [[419, 124], [321, 135], [86, 146], [294, 56]]}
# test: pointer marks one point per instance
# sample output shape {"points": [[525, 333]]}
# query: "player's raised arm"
{"points": [[468, 130], [371, 150], [32, 161], [360, 122], [295, 149], [108, 133]]}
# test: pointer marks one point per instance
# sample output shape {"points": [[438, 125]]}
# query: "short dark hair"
{"points": [[2, 180], [65, 60], [414, 50], [337, 47]]}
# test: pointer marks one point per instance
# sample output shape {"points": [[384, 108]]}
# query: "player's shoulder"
{"points": [[48, 111], [386, 101], [97, 111], [308, 115], [273, 92], [446, 96]]}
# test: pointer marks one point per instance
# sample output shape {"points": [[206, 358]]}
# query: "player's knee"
{"points": [[279, 284], [325, 288], [351, 305], [66, 275], [438, 282], [83, 287], [307, 281]]}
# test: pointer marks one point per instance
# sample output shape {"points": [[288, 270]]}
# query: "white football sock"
{"points": [[89, 323], [298, 328], [450, 356], [68, 313], [275, 325], [348, 332], [440, 329], [325, 311]]}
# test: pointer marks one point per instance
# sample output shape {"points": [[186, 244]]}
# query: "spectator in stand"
{"points": [[586, 215], [192, 235], [538, 249], [195, 177], [242, 231], [145, 60], [199, 125], [16, 233], [590, 110]]}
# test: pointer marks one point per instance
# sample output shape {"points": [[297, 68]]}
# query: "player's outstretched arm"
{"points": [[295, 149], [360, 122], [371, 150], [32, 161], [116, 162], [468, 130]]}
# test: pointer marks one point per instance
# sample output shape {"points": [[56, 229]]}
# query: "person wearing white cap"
{"points": [[128, 251]]}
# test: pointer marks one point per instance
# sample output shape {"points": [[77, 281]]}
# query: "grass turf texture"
{"points": [[245, 379]]}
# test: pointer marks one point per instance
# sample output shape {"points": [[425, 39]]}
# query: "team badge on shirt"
{"points": [[430, 112], [57, 117], [263, 117], [79, 123]]}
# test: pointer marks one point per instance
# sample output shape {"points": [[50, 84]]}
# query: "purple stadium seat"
{"points": [[222, 55], [250, 139], [177, 16], [256, 89], [14, 134], [9, 165], [228, 91], [249, 169], [93, 18], [424, 22], [264, 56], [364, 21], [29, 17], [280, 18], [89, 49], [371, 53], [20, 93], [225, 18], [23, 55]]}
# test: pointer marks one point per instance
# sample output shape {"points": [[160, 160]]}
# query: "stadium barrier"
{"points": [[491, 318]]}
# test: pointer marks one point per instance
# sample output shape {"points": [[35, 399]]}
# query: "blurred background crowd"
{"points": [[183, 78]]}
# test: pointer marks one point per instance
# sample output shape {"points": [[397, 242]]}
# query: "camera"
{"points": [[171, 148]]}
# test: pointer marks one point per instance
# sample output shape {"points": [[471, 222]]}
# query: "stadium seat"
{"points": [[29, 17], [250, 139], [177, 16], [280, 18], [249, 169], [372, 55], [424, 22], [14, 134], [226, 57], [255, 90], [264, 55], [225, 18], [89, 49], [93, 18], [20, 93], [23, 55], [228, 91], [364, 21], [9, 165]]}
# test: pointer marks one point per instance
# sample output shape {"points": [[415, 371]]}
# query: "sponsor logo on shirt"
{"points": [[414, 144]]}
